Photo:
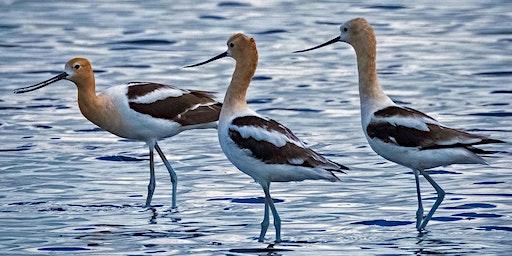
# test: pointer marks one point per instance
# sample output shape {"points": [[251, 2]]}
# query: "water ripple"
{"points": [[383, 223], [68, 187]]}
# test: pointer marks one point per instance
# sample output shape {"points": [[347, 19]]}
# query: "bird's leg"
{"points": [[419, 212], [151, 186], [440, 197], [264, 223], [275, 215], [174, 177]]}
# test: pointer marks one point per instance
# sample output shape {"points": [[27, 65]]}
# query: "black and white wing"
{"points": [[186, 107], [408, 127], [273, 143]]}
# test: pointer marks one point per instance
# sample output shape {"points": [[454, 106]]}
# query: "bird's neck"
{"points": [[235, 97], [91, 105], [369, 87]]}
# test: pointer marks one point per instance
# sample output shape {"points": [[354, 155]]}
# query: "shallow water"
{"points": [[68, 187]]}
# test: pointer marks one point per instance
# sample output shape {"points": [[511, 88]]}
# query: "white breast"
{"points": [[136, 125]]}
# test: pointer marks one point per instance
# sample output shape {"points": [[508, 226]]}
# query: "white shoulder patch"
{"points": [[261, 134], [158, 94], [296, 161], [411, 122]]}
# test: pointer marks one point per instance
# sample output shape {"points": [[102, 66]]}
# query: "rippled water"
{"points": [[68, 187]]}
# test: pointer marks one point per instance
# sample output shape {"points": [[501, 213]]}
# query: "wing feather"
{"points": [[273, 143], [186, 107], [410, 128]]}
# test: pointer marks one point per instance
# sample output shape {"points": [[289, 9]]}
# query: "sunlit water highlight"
{"points": [[67, 187]]}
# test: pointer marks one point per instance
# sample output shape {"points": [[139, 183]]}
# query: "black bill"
{"points": [[42, 84], [332, 41], [220, 56]]}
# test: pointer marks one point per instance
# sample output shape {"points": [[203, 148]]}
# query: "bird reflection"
{"points": [[154, 215]]}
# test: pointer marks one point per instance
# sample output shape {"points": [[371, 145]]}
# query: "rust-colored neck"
{"points": [[237, 90], [91, 106], [366, 51]]}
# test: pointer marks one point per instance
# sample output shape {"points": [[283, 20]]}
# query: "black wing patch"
{"points": [[401, 112], [267, 152], [436, 137], [190, 108]]}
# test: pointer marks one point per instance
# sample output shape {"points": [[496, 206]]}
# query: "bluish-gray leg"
{"points": [[440, 197], [174, 177], [151, 186], [419, 212], [275, 214], [264, 223]]}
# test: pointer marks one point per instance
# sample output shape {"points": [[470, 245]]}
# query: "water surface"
{"points": [[67, 187]]}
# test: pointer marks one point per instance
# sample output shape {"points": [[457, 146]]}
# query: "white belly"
{"points": [[415, 158]]}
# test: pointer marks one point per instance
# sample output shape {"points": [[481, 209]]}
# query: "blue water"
{"points": [[68, 188]]}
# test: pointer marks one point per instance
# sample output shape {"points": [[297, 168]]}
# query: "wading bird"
{"points": [[258, 146], [141, 111], [400, 134]]}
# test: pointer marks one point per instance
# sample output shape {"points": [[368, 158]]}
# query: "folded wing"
{"points": [[407, 127], [273, 143], [186, 107]]}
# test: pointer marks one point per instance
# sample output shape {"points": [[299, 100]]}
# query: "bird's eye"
{"points": [[231, 45], [345, 29], [77, 66]]}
